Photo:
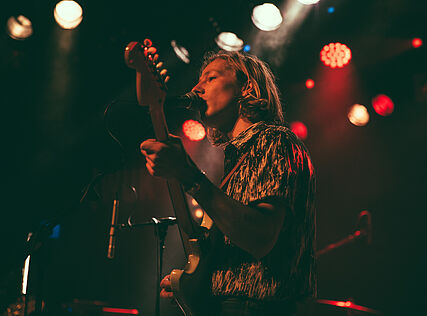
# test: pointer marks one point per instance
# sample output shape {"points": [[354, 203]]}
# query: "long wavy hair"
{"points": [[262, 102]]}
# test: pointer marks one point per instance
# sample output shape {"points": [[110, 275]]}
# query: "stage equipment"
{"points": [[358, 115], [363, 229], [349, 306], [267, 17], [181, 52], [383, 105], [229, 41], [68, 14], [335, 55], [19, 28], [194, 130]]}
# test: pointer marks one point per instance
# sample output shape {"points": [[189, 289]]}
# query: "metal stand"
{"points": [[160, 229]]}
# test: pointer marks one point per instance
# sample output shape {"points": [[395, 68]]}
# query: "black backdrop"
{"points": [[57, 84]]}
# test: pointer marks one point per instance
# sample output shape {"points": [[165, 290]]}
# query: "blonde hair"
{"points": [[260, 100]]}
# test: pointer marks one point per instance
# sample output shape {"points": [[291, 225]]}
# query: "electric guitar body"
{"points": [[191, 286]]}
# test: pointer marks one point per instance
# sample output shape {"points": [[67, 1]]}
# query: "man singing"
{"points": [[265, 210]]}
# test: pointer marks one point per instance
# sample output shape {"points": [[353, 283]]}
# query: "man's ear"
{"points": [[247, 88]]}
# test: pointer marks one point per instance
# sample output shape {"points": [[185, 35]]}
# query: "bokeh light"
{"points": [[383, 105], [19, 28], [68, 14], [299, 129], [335, 55], [417, 42], [193, 130], [309, 83], [229, 41], [198, 213], [267, 17], [358, 115], [181, 52], [308, 2]]}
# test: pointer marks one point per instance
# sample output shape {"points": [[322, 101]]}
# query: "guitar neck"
{"points": [[151, 90]]}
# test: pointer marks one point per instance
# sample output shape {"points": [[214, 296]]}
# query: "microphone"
{"points": [[168, 221], [189, 101], [367, 225], [112, 238]]}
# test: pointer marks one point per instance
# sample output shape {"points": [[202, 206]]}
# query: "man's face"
{"points": [[219, 87]]}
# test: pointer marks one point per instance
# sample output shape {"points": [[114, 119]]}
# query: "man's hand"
{"points": [[165, 284], [168, 159]]}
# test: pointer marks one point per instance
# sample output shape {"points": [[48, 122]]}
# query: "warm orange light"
{"points": [[193, 130], [358, 115], [19, 28], [335, 55], [198, 213], [68, 14], [309, 83]]}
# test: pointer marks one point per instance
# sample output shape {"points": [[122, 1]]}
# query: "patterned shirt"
{"points": [[277, 169]]}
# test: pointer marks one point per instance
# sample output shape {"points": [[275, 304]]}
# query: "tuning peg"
{"points": [[147, 42], [152, 50], [159, 65], [167, 79], [163, 72], [156, 57]]}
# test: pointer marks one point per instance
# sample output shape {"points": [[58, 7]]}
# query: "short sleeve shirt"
{"points": [[277, 169]]}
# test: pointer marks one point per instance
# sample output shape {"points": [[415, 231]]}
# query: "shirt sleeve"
{"points": [[269, 170]]}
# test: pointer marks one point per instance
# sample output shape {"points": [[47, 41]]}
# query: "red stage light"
{"points": [[124, 311], [417, 42], [299, 129], [383, 105], [193, 130], [309, 83], [335, 55]]}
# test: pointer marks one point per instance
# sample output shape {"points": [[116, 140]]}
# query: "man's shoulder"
{"points": [[276, 135]]}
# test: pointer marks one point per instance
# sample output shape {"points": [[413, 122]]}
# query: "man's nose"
{"points": [[198, 89]]}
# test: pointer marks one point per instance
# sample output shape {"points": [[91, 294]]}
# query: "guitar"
{"points": [[191, 285]]}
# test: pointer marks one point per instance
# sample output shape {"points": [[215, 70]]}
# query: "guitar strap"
{"points": [[224, 182], [207, 221]]}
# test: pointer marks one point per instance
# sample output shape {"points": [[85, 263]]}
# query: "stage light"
{"points": [[417, 42], [181, 52], [68, 14], [309, 83], [335, 55], [383, 105], [308, 2], [229, 41], [267, 17], [358, 115], [193, 130], [247, 48], [198, 213], [299, 129], [19, 28], [331, 10]]}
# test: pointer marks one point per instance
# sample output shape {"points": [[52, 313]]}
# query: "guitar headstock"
{"points": [[151, 76]]}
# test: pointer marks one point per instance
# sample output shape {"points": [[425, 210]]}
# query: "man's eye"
{"points": [[211, 78]]}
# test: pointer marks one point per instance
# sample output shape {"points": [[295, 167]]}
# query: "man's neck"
{"points": [[241, 125]]}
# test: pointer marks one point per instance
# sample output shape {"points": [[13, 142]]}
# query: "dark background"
{"points": [[57, 84]]}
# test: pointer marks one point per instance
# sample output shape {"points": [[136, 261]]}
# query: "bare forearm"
{"points": [[254, 229]]}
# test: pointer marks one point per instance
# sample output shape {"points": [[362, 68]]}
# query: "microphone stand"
{"points": [[359, 233], [349, 239], [160, 229]]}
